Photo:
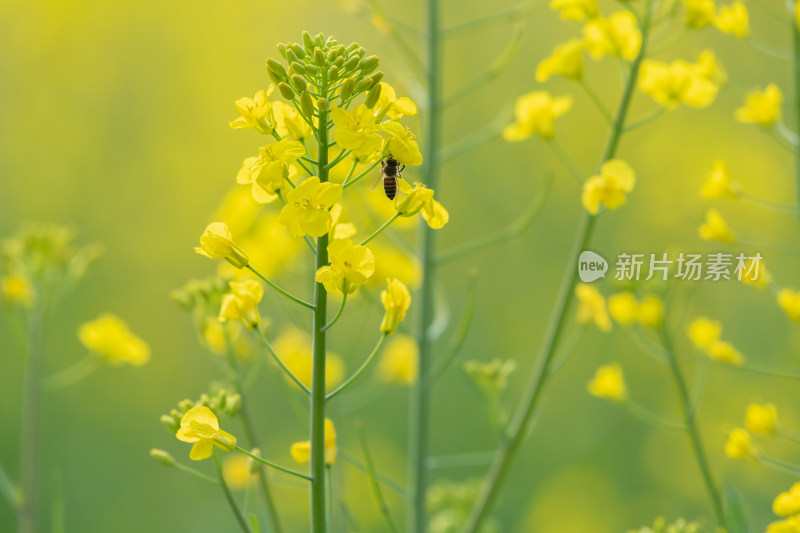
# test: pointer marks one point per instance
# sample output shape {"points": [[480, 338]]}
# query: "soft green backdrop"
{"points": [[113, 119]]}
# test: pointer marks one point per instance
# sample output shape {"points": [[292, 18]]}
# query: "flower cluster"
{"points": [[705, 335]]}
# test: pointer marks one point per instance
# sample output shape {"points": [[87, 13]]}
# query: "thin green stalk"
{"points": [[777, 464], [570, 163], [420, 407], [796, 65], [348, 182], [71, 375], [646, 119], [280, 290], [360, 370], [388, 483], [29, 435], [280, 362], [380, 229], [237, 513], [57, 508], [338, 313], [517, 429], [769, 204], [196, 473], [317, 422], [596, 100], [276, 466], [691, 430], [772, 371], [651, 417], [373, 481]]}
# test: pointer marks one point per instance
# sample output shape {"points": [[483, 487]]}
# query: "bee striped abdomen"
{"points": [[390, 186]]}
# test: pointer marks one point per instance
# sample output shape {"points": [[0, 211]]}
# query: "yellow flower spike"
{"points": [[267, 172], [396, 300], [255, 112], [592, 307], [216, 242], [651, 311], [609, 188], [617, 35], [703, 332], [301, 451], [392, 107], [733, 19], [714, 228], [356, 130], [535, 113], [790, 525], [740, 446], [609, 383], [242, 302], [236, 471], [623, 307], [399, 361], [412, 200], [200, 426], [761, 107], [351, 266], [699, 13], [575, 9], [566, 60], [17, 290], [761, 419], [709, 67], [294, 348], [109, 337], [787, 503], [789, 301], [307, 208], [718, 183], [724, 352], [678, 82], [289, 123], [401, 144]]}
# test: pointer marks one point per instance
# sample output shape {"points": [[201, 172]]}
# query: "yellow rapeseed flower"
{"points": [[609, 383], [617, 35], [787, 503], [733, 20], [216, 242], [200, 426], [623, 307], [419, 199], [761, 107], [290, 123], [109, 337], [725, 352], [236, 471], [703, 332], [592, 307], [535, 113], [789, 301], [17, 290], [718, 183], [392, 107], [356, 130], [351, 266], [401, 143], [399, 361], [295, 350], [301, 451], [242, 302], [761, 419], [396, 300], [714, 228], [740, 446], [575, 9], [610, 187], [307, 209], [650, 311], [255, 112], [266, 174], [790, 525], [566, 60], [699, 13], [678, 82]]}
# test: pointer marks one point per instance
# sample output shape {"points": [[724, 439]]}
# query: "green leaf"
{"points": [[734, 510], [253, 520]]}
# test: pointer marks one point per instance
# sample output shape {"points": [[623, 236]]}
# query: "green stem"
{"points": [[195, 473], [769, 204], [57, 508], [796, 65], [360, 370], [276, 466], [651, 417], [596, 100], [517, 429], [570, 163], [388, 483], [692, 432], [349, 182], [420, 407], [317, 429], [373, 481], [773, 371], [228, 496], [71, 375], [646, 119], [777, 464], [338, 159], [380, 229], [339, 312], [280, 290], [29, 441], [280, 362]]}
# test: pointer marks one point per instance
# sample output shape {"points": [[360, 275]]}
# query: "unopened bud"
{"points": [[282, 49], [170, 423], [352, 47], [308, 41], [364, 85], [372, 96], [298, 82], [368, 64], [347, 89], [361, 51], [204, 399], [339, 62], [333, 73], [286, 91], [376, 78], [319, 57], [351, 63], [306, 105], [162, 457], [297, 50], [297, 68], [232, 404], [331, 55], [185, 405], [323, 104], [276, 67], [319, 40], [291, 56]]}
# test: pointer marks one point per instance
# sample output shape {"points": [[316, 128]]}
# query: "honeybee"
{"points": [[390, 172]]}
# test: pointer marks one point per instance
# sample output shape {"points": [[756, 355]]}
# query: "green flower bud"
{"points": [[282, 49], [319, 40], [286, 91], [297, 68], [351, 63], [347, 89], [291, 56], [306, 105], [204, 399], [232, 404], [368, 64], [333, 73], [185, 405], [372, 96], [274, 77], [162, 457], [299, 82], [170, 423], [276, 67], [376, 78], [177, 415], [308, 41], [297, 50], [339, 62], [364, 85], [361, 51], [323, 104], [331, 55], [352, 47], [319, 57]]}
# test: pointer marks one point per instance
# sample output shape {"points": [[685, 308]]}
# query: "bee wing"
{"points": [[379, 180]]}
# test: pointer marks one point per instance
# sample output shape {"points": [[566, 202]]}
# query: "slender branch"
{"points": [[57, 506], [338, 314], [380, 229], [769, 204], [517, 12], [349, 182], [273, 465], [373, 481], [772, 371], [280, 290], [646, 119], [463, 328], [29, 436], [768, 50], [570, 163], [566, 349], [597, 101], [344, 153], [777, 464], [228, 496], [71, 375], [388, 483], [651, 417], [280, 362], [196, 473], [360, 370]]}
